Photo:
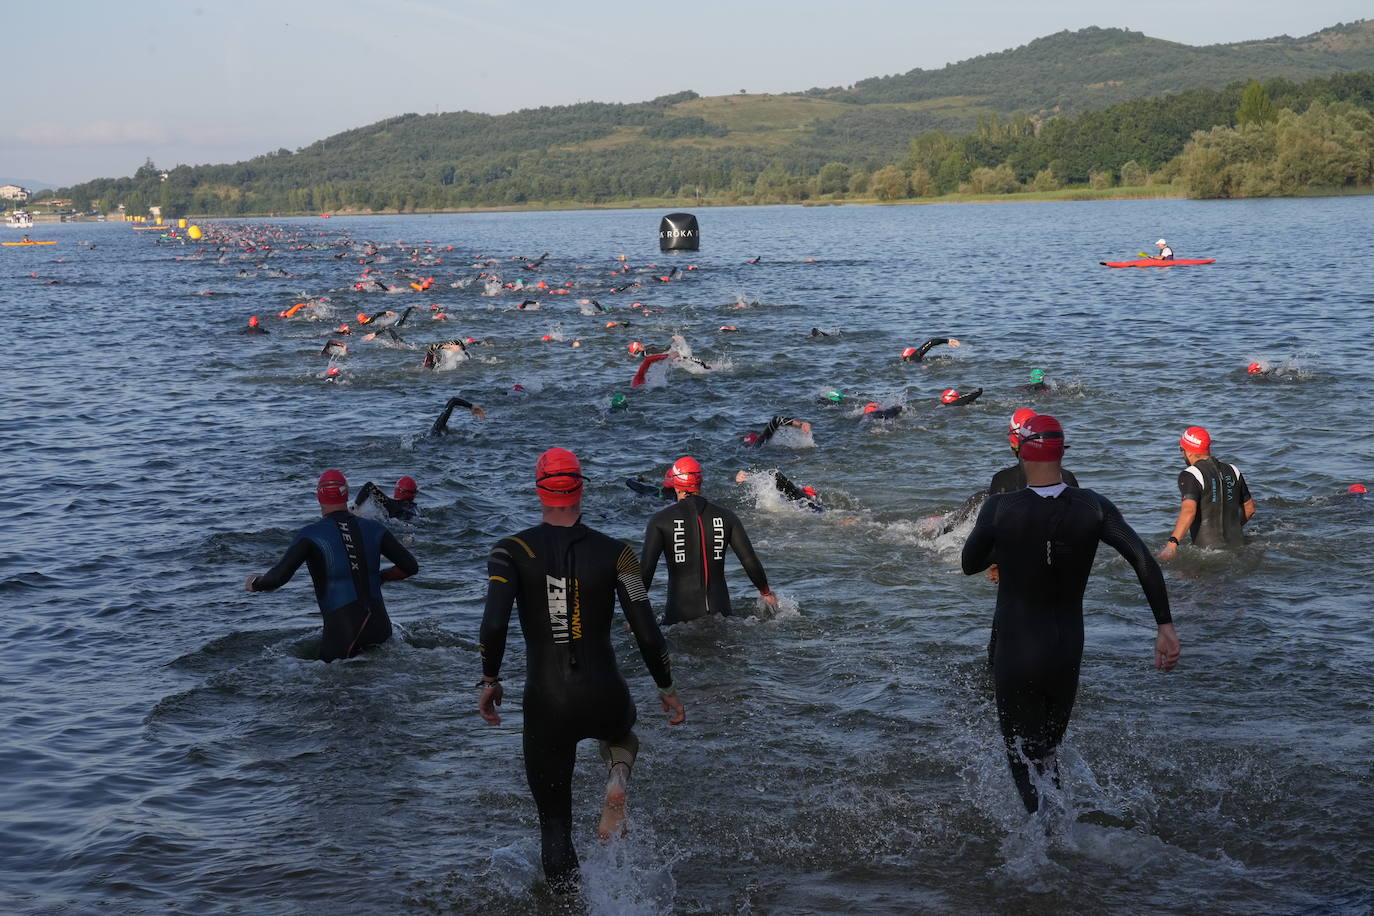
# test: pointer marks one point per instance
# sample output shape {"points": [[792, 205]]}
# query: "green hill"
{"points": [[735, 146]]}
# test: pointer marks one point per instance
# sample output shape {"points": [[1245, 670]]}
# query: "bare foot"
{"points": [[613, 811]]}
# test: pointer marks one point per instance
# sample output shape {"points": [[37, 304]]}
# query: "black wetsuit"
{"points": [[793, 492], [1221, 494], [253, 329], [1035, 386], [440, 426], [649, 488], [566, 580], [886, 413], [964, 399], [692, 535], [344, 554], [404, 509], [1009, 480], [924, 348], [1044, 549], [773, 426]]}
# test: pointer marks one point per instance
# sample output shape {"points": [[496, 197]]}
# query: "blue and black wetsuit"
{"points": [[692, 534], [344, 554], [566, 581], [1044, 548]]}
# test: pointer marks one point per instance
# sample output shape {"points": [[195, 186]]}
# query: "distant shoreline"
{"points": [[1151, 192]]}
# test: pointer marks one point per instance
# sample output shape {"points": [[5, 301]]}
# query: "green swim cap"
{"points": [[1037, 376], [618, 402], [835, 395]]}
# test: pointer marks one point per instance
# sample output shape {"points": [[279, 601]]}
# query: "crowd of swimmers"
{"points": [[1034, 533]]}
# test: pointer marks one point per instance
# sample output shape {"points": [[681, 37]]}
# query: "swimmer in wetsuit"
{"points": [[951, 397], [343, 553], [916, 354], [566, 578], [400, 505], [692, 534], [1216, 499], [440, 426], [1037, 382], [874, 411], [254, 328], [807, 496], [760, 439], [1044, 539]]}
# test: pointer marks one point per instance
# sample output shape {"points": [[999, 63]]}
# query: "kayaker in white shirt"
{"points": [[1165, 252]]}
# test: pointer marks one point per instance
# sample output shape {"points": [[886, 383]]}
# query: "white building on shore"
{"points": [[13, 192]]}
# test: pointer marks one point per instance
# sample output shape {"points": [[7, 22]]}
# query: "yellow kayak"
{"points": [[28, 243]]}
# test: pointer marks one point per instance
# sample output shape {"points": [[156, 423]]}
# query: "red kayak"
{"points": [[1155, 262]]}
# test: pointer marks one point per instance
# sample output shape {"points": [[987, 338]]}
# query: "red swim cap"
{"points": [[253, 321], [332, 488], [1255, 368], [331, 372], [684, 475], [1357, 488], [908, 353], [636, 347], [870, 407], [810, 492], [751, 438], [406, 488], [949, 396], [558, 478], [1018, 420], [1041, 438], [1195, 441]]}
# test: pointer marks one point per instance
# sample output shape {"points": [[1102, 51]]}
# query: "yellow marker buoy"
{"points": [[194, 232], [181, 224]]}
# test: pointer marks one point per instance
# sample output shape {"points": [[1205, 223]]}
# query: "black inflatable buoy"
{"points": [[678, 232]]}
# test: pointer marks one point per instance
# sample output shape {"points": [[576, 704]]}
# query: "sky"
{"points": [[97, 86]]}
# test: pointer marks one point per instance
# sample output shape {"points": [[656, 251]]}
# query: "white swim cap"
{"points": [[1161, 242]]}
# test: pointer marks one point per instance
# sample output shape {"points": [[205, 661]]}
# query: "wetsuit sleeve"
{"points": [[786, 487], [634, 601], [441, 424], [739, 543], [978, 549], [406, 564], [924, 348], [1122, 537], [502, 586], [1069, 478], [1188, 486], [367, 491], [286, 567], [1242, 488], [653, 549]]}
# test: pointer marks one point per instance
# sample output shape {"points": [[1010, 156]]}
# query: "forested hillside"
{"points": [[1043, 115]]}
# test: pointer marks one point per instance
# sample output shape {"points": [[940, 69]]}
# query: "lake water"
{"points": [[170, 746]]}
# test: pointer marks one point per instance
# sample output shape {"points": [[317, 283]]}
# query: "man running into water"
{"points": [[566, 578], [1216, 499], [760, 439], [440, 426], [400, 505], [344, 554], [693, 534], [1044, 539], [916, 354]]}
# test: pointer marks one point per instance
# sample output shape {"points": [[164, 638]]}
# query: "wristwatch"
{"points": [[1173, 540]]}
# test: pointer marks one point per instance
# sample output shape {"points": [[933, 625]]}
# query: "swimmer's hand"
{"points": [[677, 713], [953, 342], [769, 598], [806, 428], [1167, 554], [248, 586], [741, 476], [1166, 647], [489, 700], [993, 575], [478, 412]]}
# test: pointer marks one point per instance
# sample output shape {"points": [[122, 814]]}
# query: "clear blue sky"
{"points": [[97, 86]]}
